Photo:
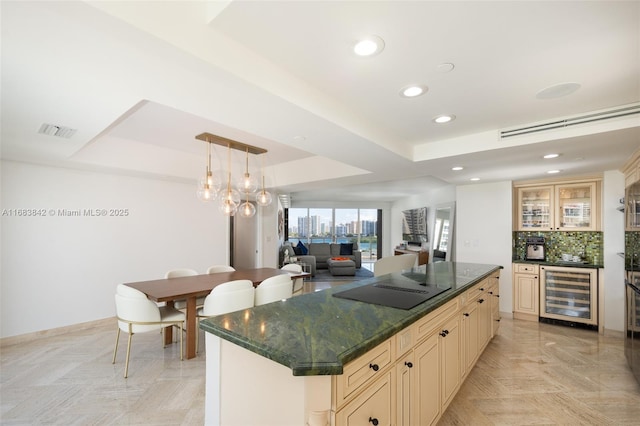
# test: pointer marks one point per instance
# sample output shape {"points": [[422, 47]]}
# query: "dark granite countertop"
{"points": [[560, 263], [317, 334]]}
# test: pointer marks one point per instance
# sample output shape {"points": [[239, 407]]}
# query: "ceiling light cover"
{"points": [[413, 91], [457, 168], [369, 46], [548, 156], [475, 179], [558, 90], [442, 119], [551, 172]]}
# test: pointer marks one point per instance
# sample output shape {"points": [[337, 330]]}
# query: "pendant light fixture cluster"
{"points": [[229, 198]]}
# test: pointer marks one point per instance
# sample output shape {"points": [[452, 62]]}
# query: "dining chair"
{"points": [[298, 283], [137, 314], [220, 268], [272, 289], [224, 298], [177, 273]]}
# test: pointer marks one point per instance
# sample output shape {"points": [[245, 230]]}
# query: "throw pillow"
{"points": [[346, 249], [303, 249], [297, 250]]}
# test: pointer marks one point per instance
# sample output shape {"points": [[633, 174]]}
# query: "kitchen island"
{"points": [[320, 355]]}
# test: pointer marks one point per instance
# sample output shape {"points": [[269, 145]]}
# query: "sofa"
{"points": [[318, 254]]}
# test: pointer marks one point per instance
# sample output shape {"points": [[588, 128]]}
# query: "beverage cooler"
{"points": [[569, 294], [632, 277]]}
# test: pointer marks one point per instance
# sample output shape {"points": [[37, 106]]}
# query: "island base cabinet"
{"points": [[374, 406]]}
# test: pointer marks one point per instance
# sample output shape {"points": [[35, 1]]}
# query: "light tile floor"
{"points": [[530, 373]]}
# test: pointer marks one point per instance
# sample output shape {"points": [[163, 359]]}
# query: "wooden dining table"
{"points": [[169, 290]]}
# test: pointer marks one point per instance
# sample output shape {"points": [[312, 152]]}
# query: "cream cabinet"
{"points": [[494, 296], [559, 207], [526, 287], [411, 378]]}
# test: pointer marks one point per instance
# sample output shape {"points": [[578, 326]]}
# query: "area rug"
{"points": [[325, 275]]}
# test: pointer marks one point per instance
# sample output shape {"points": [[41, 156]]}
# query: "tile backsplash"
{"points": [[586, 244]]}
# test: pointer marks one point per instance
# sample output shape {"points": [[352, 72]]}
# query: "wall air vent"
{"points": [[573, 121], [60, 131]]}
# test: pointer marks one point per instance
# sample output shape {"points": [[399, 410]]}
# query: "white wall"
{"points": [[58, 271], [484, 230], [613, 226]]}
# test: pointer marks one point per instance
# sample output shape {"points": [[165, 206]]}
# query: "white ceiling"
{"points": [[139, 80]]}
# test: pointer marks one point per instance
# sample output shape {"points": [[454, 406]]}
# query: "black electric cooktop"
{"points": [[392, 294]]}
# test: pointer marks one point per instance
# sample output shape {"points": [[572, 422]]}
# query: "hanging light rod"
{"points": [[229, 143]]}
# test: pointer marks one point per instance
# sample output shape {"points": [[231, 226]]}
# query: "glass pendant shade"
{"points": [[227, 207], [247, 209], [208, 187], [263, 198], [211, 180], [248, 184], [206, 194]]}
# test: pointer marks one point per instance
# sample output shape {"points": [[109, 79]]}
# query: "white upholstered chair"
{"points": [[273, 289], [298, 283], [220, 268], [177, 273], [227, 297], [137, 314], [389, 264]]}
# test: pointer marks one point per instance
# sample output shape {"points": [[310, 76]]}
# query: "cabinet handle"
{"points": [[408, 364], [481, 301], [466, 314], [497, 295], [444, 333], [374, 367], [373, 421], [490, 292], [482, 289]]}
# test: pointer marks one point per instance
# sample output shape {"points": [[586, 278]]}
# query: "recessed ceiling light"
{"points": [[558, 90], [442, 119], [413, 91], [456, 168], [553, 171], [445, 67], [551, 156], [474, 179], [369, 46], [299, 138]]}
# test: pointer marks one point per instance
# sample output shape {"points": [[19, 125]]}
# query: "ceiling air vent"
{"points": [[60, 131], [573, 121]]}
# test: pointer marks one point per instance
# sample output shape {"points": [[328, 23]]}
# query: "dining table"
{"points": [[169, 290]]}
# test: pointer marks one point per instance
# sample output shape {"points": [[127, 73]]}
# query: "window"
{"points": [[335, 226]]}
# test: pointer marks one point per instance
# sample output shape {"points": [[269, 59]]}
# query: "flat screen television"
{"points": [[414, 226]]}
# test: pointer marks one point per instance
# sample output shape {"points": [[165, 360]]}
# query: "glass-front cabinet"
{"points": [[535, 207], [560, 207], [632, 201]]}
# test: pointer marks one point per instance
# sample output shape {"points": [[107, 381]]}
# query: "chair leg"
{"points": [[126, 364], [115, 350], [197, 332]]}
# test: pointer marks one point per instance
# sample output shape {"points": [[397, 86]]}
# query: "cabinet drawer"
{"points": [[527, 268], [425, 326], [373, 406], [361, 370]]}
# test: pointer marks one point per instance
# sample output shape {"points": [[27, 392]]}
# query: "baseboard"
{"points": [[28, 337]]}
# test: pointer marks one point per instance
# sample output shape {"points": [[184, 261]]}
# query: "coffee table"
{"points": [[341, 266]]}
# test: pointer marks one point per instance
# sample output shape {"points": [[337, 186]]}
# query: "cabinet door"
{"points": [[427, 371], [494, 294], [450, 359], [373, 406], [535, 208], [470, 336], [526, 296], [406, 398], [576, 207], [484, 320]]}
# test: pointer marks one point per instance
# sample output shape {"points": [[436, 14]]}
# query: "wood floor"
{"points": [[530, 374]]}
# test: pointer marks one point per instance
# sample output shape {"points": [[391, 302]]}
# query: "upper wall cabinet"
{"points": [[558, 207]]}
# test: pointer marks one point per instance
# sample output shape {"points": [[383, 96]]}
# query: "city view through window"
{"points": [[311, 225]]}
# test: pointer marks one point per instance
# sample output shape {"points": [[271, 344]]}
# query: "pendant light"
{"points": [[230, 198], [247, 183], [247, 209], [208, 185], [263, 197]]}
